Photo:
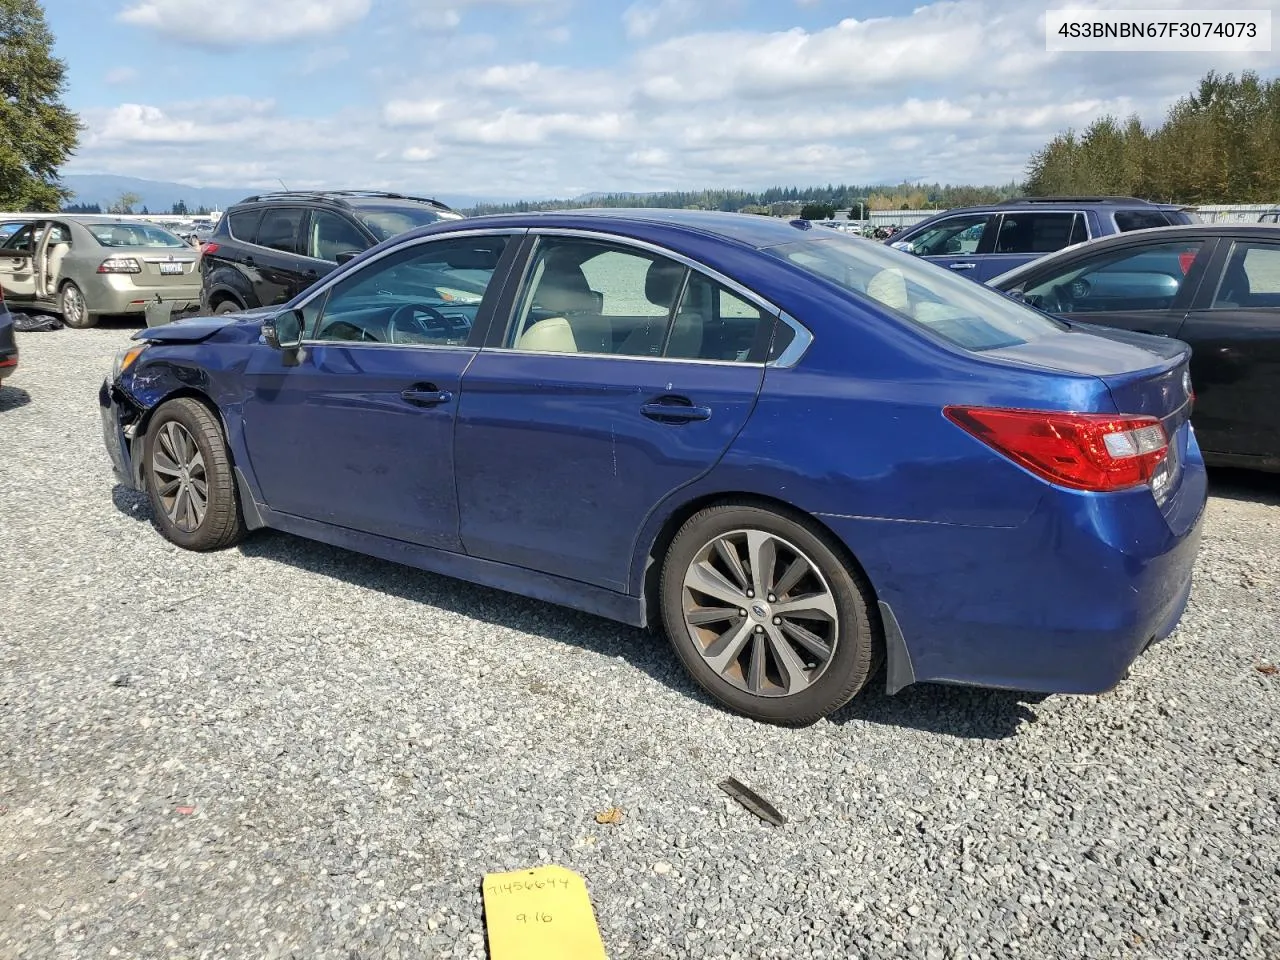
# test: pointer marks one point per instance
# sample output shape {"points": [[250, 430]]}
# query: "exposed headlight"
{"points": [[126, 359]]}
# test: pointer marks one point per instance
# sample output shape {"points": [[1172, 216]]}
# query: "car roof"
{"points": [[1245, 231], [748, 229]]}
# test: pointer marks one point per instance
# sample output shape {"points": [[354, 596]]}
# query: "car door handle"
{"points": [[674, 410], [425, 395], [961, 266]]}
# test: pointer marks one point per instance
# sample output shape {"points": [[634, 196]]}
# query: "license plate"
{"points": [[170, 268]]}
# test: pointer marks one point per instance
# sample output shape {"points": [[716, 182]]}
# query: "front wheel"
{"points": [[189, 477], [75, 311], [227, 306], [766, 615]]}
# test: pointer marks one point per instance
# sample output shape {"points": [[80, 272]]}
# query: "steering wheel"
{"points": [[407, 324]]}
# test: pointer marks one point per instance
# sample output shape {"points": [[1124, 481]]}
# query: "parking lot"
{"points": [[286, 750]]}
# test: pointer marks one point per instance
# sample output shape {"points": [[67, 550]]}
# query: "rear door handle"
{"points": [[674, 410], [961, 266], [425, 395]]}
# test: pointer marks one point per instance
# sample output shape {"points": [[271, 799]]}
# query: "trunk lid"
{"points": [[162, 267]]}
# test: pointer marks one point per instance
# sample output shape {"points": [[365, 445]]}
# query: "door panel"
{"points": [[334, 440], [623, 376], [958, 243], [17, 264], [561, 458], [277, 267], [359, 433], [1235, 366]]}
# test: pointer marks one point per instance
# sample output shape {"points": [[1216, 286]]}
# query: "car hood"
{"points": [[195, 329]]}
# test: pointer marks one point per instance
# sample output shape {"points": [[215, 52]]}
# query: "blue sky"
{"points": [[541, 98]]}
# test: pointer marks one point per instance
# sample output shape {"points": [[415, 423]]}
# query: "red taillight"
{"points": [[1084, 451], [208, 248]]}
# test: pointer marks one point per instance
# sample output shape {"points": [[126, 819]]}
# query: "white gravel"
{"points": [[285, 750]]}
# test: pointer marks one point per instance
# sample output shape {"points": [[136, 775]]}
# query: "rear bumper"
{"points": [[120, 294], [1063, 603]]}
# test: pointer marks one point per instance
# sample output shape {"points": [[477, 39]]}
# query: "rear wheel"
{"points": [[189, 478], [75, 312], [227, 306], [766, 615]]}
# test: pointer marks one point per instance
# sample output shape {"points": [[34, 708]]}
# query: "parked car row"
{"points": [[783, 445]]}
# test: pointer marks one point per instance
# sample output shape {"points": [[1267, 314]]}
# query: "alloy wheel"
{"points": [[179, 469], [72, 305], [760, 613]]}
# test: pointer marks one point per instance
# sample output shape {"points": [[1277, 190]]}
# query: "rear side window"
{"points": [[1040, 232], [588, 297], [1252, 277], [280, 229], [243, 224], [1127, 220], [954, 235]]}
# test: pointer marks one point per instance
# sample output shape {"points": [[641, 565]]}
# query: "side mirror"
{"points": [[345, 255], [284, 330], [904, 245]]}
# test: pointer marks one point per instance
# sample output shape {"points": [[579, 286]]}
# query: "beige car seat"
{"points": [[661, 287], [889, 286], [57, 252], [577, 325]]}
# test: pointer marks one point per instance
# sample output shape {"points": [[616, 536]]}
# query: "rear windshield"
{"points": [[967, 314], [133, 235], [388, 220]]}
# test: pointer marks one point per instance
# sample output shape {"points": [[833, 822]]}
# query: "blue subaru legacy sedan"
{"points": [[801, 454]]}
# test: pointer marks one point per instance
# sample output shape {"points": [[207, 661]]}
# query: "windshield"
{"points": [[388, 220], [133, 235], [957, 309]]}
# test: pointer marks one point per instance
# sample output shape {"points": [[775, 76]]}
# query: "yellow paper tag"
{"points": [[542, 914]]}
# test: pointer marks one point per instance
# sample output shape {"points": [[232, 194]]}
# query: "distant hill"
{"points": [[159, 196]]}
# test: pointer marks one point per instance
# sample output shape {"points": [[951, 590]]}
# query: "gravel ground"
{"points": [[285, 750]]}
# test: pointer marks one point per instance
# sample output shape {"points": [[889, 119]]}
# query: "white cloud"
{"points": [[118, 75], [226, 23], [445, 15], [958, 91]]}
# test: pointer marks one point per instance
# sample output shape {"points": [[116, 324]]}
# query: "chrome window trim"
{"points": [[331, 281], [791, 355]]}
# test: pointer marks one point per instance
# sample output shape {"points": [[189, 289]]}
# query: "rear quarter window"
{"points": [[1127, 220], [243, 225]]}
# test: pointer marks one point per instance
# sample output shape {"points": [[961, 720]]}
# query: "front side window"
{"points": [[1039, 232], [22, 239], [953, 236], [426, 294], [1252, 277], [280, 228], [1148, 277], [958, 310], [583, 296], [331, 235]]}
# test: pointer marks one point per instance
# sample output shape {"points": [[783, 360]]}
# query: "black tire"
{"points": [[222, 524], [74, 307], [227, 306], [855, 653]]}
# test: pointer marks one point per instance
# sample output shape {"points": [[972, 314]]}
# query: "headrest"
{"points": [[662, 282], [889, 286], [564, 289]]}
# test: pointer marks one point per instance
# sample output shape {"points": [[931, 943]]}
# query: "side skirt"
{"points": [[488, 573]]}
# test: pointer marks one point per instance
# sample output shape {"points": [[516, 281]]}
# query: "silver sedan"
{"points": [[85, 267]]}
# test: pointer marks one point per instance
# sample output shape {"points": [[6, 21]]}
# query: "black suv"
{"points": [[266, 249]]}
